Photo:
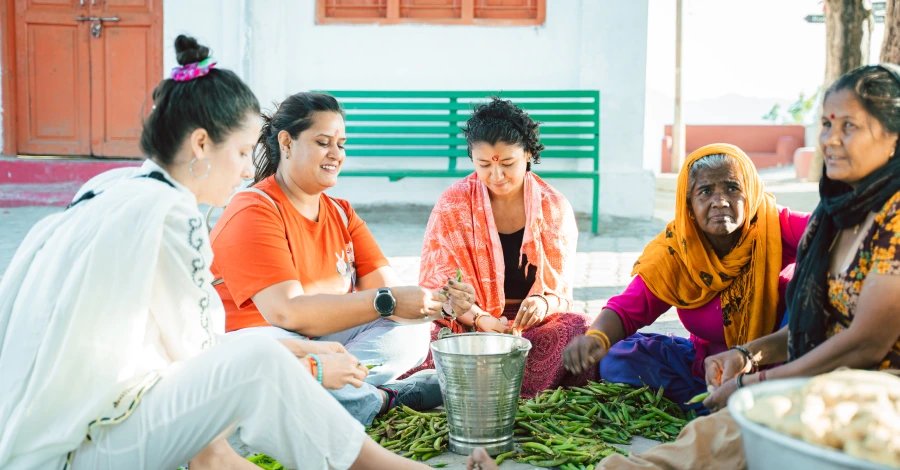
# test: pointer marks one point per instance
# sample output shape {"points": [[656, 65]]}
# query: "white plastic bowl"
{"points": [[767, 449]]}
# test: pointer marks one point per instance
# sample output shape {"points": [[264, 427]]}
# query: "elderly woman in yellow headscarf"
{"points": [[723, 263]]}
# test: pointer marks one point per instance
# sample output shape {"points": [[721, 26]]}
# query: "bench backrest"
{"points": [[423, 124]]}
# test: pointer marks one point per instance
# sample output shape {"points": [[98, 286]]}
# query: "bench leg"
{"points": [[595, 214]]}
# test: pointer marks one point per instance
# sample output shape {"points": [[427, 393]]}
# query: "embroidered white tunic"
{"points": [[98, 301]]}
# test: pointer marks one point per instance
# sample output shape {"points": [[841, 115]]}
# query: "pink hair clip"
{"points": [[188, 72]]}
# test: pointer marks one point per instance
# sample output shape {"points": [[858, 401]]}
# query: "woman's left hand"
{"points": [[718, 397], [532, 312]]}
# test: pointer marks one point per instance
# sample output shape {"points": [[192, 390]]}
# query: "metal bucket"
{"points": [[480, 376]]}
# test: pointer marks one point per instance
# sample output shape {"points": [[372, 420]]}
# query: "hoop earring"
{"points": [[191, 169]]}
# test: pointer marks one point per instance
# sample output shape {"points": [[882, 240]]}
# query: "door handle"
{"points": [[110, 19], [97, 22]]}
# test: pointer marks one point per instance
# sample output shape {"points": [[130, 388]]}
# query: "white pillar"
{"points": [[614, 60]]}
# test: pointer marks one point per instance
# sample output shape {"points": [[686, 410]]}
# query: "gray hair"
{"points": [[713, 161]]}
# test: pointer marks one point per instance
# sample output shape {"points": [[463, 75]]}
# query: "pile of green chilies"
{"points": [[570, 428], [415, 434], [573, 428]]}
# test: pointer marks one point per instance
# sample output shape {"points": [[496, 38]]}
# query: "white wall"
{"points": [[277, 47]]}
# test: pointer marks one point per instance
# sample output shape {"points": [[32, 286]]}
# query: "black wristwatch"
{"points": [[385, 303]]}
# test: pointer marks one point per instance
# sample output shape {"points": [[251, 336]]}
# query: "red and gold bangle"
{"points": [[313, 366], [601, 336], [475, 318]]}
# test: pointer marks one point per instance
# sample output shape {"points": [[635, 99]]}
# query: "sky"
{"points": [[740, 55]]}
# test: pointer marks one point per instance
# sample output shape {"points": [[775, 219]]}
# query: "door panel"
{"points": [[52, 78], [126, 63]]}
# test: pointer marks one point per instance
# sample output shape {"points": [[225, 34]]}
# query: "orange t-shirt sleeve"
{"points": [[368, 255], [252, 252]]}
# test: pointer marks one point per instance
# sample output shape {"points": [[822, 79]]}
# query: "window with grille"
{"points": [[465, 12]]}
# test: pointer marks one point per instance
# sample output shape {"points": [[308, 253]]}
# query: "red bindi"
{"points": [[496, 158], [832, 116]]}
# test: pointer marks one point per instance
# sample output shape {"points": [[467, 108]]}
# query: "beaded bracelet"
{"points": [[600, 336], [754, 364], [319, 370]]}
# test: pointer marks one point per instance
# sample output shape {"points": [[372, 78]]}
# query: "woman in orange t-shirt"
{"points": [[292, 261]]}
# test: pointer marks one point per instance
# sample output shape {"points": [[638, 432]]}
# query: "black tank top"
{"points": [[516, 284]]}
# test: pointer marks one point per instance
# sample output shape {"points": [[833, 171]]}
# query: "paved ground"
{"points": [[603, 266]]}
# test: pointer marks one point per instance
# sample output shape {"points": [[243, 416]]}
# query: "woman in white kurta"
{"points": [[109, 328]]}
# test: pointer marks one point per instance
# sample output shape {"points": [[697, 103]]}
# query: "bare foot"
{"points": [[480, 460], [220, 455]]}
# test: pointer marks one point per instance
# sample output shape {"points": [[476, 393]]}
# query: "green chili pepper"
{"points": [[697, 399], [458, 275], [504, 456], [538, 446]]}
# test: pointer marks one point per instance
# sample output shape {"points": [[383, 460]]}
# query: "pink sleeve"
{"points": [[793, 224], [636, 306]]}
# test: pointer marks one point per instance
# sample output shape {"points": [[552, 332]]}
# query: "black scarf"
{"points": [[840, 206]]}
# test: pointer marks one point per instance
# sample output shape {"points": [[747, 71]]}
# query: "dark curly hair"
{"points": [[218, 102], [502, 121]]}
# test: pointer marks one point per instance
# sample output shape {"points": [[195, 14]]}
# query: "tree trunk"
{"points": [[890, 48], [844, 31]]}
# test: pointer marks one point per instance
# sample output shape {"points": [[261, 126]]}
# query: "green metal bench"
{"points": [[426, 125]]}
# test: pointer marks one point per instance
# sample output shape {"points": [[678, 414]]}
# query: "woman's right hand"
{"points": [[460, 295], [583, 353], [724, 366], [417, 303], [339, 369]]}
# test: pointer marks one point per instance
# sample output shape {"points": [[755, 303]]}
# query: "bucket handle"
{"points": [[511, 363]]}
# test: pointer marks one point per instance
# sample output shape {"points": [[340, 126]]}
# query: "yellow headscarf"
{"points": [[680, 267]]}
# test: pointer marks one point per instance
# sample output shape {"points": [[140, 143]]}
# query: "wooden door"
{"points": [[84, 90], [126, 64], [52, 78]]}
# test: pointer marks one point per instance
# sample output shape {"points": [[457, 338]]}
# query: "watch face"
{"points": [[384, 303]]}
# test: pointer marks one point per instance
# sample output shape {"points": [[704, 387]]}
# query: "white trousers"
{"points": [[394, 347], [249, 383]]}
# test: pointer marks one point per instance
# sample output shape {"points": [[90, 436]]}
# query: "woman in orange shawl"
{"points": [[513, 237], [723, 263]]}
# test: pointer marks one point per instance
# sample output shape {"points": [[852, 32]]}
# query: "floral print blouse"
{"points": [[879, 253]]}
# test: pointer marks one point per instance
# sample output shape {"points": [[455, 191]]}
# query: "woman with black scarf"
{"points": [[844, 299]]}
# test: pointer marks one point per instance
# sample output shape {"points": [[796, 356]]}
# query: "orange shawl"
{"points": [[681, 268], [461, 234]]}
